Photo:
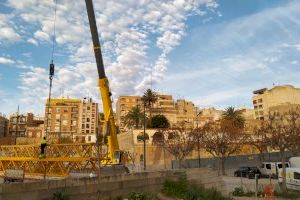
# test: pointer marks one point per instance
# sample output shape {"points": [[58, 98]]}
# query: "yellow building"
{"points": [[264, 99]]}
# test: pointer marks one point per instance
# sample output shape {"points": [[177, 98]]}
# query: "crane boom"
{"points": [[109, 121]]}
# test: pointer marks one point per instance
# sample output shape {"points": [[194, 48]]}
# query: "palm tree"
{"points": [[134, 117], [235, 116], [149, 98]]}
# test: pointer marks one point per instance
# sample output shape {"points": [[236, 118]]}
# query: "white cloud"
{"points": [[4, 60], [7, 32], [40, 35], [33, 41]]}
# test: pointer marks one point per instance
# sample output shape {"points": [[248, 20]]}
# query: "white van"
{"points": [[295, 162], [271, 168], [292, 178]]}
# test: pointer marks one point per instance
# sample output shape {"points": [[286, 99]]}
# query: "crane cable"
{"points": [[51, 74], [54, 32]]}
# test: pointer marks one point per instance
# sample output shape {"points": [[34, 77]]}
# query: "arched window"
{"points": [[140, 137]]}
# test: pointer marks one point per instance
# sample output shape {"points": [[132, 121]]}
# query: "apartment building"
{"points": [[175, 111], [264, 99], [88, 121], [3, 126], [124, 105], [72, 118]]}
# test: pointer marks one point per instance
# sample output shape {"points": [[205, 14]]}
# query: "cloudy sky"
{"points": [[213, 52]]}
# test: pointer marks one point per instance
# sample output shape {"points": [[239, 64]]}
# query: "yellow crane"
{"points": [[114, 153]]}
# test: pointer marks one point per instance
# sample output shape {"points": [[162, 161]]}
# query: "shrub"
{"points": [[59, 196], [137, 196], [187, 191], [288, 195]]}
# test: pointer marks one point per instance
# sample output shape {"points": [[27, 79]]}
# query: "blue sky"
{"points": [[214, 53]]}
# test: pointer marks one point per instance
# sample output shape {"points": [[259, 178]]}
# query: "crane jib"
{"points": [[95, 38]]}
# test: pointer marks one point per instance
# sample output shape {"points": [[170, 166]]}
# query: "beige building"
{"points": [[72, 118], [208, 115], [175, 111], [124, 105], [264, 99]]}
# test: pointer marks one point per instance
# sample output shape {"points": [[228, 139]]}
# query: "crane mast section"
{"points": [[103, 83]]}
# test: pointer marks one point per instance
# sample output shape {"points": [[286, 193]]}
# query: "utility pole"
{"points": [[144, 136]]}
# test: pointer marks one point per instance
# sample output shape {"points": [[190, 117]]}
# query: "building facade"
{"points": [[4, 122], [264, 99], [72, 118], [175, 111], [88, 121], [17, 125]]}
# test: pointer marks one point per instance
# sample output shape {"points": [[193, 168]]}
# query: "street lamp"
{"points": [[198, 139]]}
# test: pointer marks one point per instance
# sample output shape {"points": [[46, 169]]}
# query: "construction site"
{"points": [[150, 146]]}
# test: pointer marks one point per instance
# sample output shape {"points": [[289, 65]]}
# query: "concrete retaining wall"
{"points": [[232, 163], [89, 188]]}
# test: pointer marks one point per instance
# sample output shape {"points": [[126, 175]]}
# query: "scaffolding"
{"points": [[61, 159]]}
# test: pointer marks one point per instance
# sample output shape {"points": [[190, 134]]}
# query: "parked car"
{"points": [[253, 171], [242, 172]]}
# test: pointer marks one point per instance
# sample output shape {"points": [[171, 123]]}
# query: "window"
{"points": [[287, 165], [82, 126], [87, 131], [255, 107], [65, 109], [74, 123], [87, 119], [87, 126], [279, 166], [259, 100], [57, 116], [268, 166], [57, 110], [65, 122], [297, 175], [88, 108], [260, 106], [89, 138]]}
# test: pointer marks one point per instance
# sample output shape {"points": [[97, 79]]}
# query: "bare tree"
{"points": [[179, 141], [283, 134], [293, 119], [222, 139], [259, 140]]}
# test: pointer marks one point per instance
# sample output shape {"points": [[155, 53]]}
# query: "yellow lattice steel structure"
{"points": [[61, 159]]}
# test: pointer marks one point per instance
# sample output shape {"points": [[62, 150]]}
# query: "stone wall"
{"points": [[89, 188]]}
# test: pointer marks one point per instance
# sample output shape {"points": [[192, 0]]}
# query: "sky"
{"points": [[211, 52]]}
